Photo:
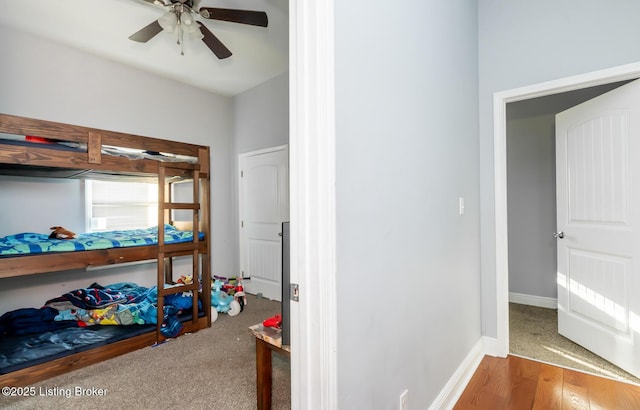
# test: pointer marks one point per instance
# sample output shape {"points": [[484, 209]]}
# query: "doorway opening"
{"points": [[552, 96], [531, 197], [263, 207]]}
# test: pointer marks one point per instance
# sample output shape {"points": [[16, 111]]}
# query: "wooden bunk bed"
{"points": [[167, 163]]}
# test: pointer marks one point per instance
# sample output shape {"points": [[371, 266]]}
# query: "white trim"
{"points": [[502, 241], [500, 99], [263, 151], [312, 188], [490, 346], [452, 391], [533, 300]]}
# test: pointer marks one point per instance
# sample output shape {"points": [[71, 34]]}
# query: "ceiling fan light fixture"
{"points": [[168, 21], [192, 32], [180, 19], [186, 19], [196, 35]]}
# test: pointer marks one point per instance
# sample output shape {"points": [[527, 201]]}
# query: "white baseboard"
{"points": [[452, 391], [531, 300], [490, 346]]}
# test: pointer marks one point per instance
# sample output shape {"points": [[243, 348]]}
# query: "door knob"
{"points": [[558, 234]]}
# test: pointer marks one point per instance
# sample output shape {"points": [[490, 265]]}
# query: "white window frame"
{"points": [[90, 225]]}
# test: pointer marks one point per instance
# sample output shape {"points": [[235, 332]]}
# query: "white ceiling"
{"points": [[102, 27]]}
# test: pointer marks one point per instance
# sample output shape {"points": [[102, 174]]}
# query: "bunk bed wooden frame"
{"points": [[40, 160]]}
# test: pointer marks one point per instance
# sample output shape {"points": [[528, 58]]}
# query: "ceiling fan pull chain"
{"points": [[181, 36]]}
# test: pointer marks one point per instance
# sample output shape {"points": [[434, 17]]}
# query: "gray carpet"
{"points": [[533, 333], [210, 369]]}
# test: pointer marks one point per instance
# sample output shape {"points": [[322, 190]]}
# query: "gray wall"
{"points": [[24, 207], [44, 80], [523, 43], [261, 120], [531, 192], [406, 134], [261, 116]]}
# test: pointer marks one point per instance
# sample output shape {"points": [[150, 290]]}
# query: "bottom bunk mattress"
{"points": [[76, 321], [19, 352], [35, 243]]}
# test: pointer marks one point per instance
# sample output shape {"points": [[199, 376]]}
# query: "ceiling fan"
{"points": [[180, 19]]}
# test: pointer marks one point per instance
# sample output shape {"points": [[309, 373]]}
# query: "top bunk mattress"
{"points": [[38, 148], [35, 243], [36, 142]]}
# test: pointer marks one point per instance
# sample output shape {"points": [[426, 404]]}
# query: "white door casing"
{"points": [[499, 346], [598, 193], [264, 205], [312, 136]]}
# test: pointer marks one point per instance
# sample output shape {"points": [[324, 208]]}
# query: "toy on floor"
{"points": [[222, 302], [233, 286], [60, 233]]}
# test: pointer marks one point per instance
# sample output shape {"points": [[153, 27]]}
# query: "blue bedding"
{"points": [[32, 336], [30, 243], [19, 352]]}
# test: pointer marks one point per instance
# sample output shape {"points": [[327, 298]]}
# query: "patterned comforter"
{"points": [[30, 243]]}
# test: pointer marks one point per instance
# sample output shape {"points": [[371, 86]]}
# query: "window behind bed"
{"points": [[115, 205]]}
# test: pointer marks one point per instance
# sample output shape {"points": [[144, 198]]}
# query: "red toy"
{"points": [[275, 321], [39, 140]]}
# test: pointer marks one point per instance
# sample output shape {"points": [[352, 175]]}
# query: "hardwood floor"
{"points": [[518, 383]]}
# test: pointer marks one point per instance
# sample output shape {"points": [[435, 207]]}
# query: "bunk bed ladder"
{"points": [[166, 252]]}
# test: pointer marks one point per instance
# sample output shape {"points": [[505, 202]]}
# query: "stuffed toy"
{"points": [[185, 279], [61, 233]]}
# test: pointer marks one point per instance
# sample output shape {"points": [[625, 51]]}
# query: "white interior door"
{"points": [[598, 199], [264, 205]]}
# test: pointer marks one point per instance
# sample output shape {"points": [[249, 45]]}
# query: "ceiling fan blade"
{"points": [[214, 44], [160, 3], [255, 18], [147, 33]]}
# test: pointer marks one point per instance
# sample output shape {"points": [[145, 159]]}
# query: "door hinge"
{"points": [[295, 292], [241, 174], [241, 224]]}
